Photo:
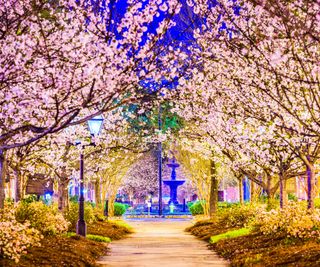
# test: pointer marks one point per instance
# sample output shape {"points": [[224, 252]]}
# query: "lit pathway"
{"points": [[160, 242]]}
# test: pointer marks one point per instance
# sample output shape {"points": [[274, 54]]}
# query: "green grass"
{"points": [[230, 234], [99, 238], [121, 223], [70, 234]]}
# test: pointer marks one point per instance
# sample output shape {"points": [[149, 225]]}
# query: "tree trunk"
{"points": [[252, 191], [18, 184], [97, 191], [213, 205], [283, 191], [111, 206], [241, 190], [2, 178], [311, 185], [63, 194]]}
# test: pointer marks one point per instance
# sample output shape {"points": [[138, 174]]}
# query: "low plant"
{"points": [[119, 209], [230, 234], [72, 214], [295, 220], [16, 237], [238, 215], [196, 208], [46, 219]]}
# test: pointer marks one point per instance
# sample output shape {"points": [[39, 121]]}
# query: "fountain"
{"points": [[173, 183]]}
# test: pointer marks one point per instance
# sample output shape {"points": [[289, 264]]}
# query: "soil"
{"points": [[259, 250], [207, 228], [109, 229], [75, 251], [59, 251]]}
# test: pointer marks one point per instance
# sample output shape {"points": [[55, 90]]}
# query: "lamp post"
{"points": [[160, 164], [95, 125]]}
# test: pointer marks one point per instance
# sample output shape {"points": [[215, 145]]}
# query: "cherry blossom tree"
{"points": [[263, 65], [63, 62]]}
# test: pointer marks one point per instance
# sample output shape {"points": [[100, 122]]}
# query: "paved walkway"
{"points": [[160, 242]]}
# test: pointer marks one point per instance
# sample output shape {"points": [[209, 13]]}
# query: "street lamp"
{"points": [[95, 126], [160, 164]]}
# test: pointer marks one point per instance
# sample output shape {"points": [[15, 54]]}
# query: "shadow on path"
{"points": [[160, 242]]}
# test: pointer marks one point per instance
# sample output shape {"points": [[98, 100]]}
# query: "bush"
{"points": [[237, 215], [99, 213], [292, 197], [46, 219], [16, 237], [119, 209], [317, 203], [72, 215], [196, 208], [189, 204], [295, 220]]}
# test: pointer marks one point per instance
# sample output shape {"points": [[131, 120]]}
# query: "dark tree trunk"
{"points": [[2, 178], [311, 185], [97, 191], [63, 194], [213, 204], [283, 191], [18, 185], [240, 179]]}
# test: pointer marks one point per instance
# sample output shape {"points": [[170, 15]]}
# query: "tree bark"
{"points": [[240, 179], [111, 206], [252, 191], [2, 178], [63, 193], [97, 190], [311, 185], [283, 191], [18, 185], [213, 205]]}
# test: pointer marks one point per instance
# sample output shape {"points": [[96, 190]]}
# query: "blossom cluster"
{"points": [[16, 237], [45, 219], [293, 221]]}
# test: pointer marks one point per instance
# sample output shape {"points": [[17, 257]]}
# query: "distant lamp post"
{"points": [[95, 126]]}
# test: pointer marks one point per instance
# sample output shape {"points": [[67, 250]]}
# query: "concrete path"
{"points": [[160, 242]]}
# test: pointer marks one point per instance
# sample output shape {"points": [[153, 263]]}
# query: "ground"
{"points": [[74, 251], [258, 250]]}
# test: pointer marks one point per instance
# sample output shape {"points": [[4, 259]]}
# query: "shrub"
{"points": [[98, 212], [292, 197], [293, 221], [72, 215], [16, 237], [45, 219], [119, 209], [29, 199], [317, 203], [196, 208], [237, 215], [190, 203]]}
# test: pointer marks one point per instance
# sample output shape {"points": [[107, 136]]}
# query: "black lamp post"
{"points": [[160, 164], [95, 125]]}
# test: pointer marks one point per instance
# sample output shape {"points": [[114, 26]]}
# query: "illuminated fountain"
{"points": [[173, 183]]}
